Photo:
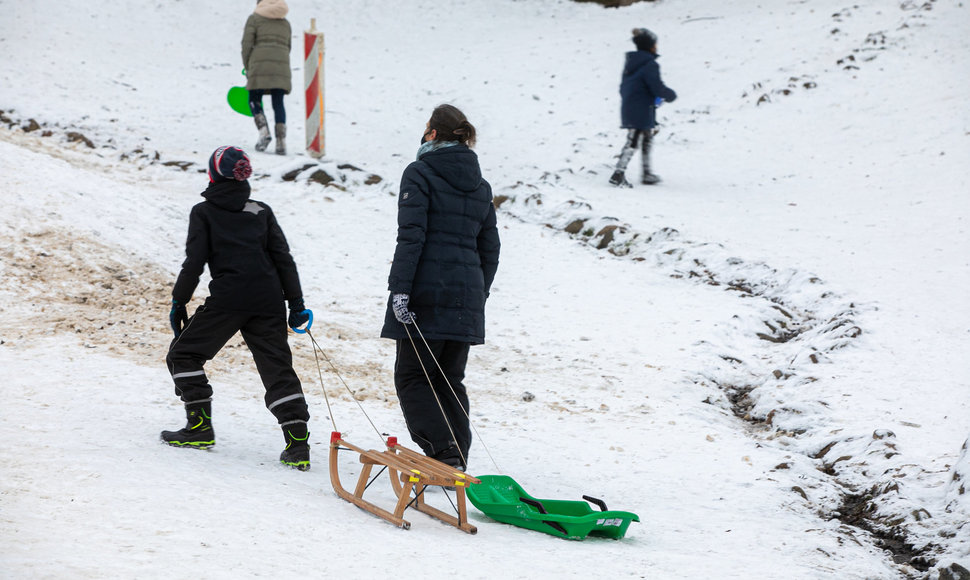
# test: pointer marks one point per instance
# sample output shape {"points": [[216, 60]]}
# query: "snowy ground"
{"points": [[764, 357]]}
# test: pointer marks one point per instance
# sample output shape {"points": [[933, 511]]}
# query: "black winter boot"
{"points": [[451, 456], [263, 126], [619, 179], [197, 433], [296, 454]]}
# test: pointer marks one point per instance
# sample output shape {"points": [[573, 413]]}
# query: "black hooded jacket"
{"points": [[447, 246], [248, 257]]}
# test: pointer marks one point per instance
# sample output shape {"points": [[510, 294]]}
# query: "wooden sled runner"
{"points": [[409, 472]]}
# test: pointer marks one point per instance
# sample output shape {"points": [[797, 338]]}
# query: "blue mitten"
{"points": [[299, 315]]}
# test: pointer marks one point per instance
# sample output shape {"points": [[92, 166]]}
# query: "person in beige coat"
{"points": [[266, 55]]}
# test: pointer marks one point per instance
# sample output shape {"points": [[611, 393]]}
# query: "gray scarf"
{"points": [[429, 146]]}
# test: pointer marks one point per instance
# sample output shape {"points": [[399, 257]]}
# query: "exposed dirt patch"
{"points": [[70, 284], [859, 511], [114, 302]]}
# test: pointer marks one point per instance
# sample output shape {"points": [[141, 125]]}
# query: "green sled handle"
{"points": [[542, 510], [597, 501]]}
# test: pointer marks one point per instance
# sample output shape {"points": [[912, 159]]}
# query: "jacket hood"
{"points": [[457, 165], [228, 195], [635, 59], [272, 9]]}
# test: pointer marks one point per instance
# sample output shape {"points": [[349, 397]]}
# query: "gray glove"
{"points": [[399, 303]]}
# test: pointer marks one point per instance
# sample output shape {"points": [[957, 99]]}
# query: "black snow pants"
{"points": [[208, 330], [429, 428]]}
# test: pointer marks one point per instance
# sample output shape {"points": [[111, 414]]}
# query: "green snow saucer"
{"points": [[238, 98], [502, 499]]}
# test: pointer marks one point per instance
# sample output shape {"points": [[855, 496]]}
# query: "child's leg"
{"points": [[206, 332], [648, 176], [629, 148], [645, 150], [265, 335]]}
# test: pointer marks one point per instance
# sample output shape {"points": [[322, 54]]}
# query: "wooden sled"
{"points": [[409, 472]]}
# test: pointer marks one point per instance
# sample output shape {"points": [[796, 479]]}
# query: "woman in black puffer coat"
{"points": [[445, 261]]}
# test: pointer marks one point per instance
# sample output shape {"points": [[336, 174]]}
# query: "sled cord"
{"points": [[433, 393], [453, 393], [408, 470], [316, 347]]}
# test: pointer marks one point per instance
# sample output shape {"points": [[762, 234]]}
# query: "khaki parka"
{"points": [[266, 47]]}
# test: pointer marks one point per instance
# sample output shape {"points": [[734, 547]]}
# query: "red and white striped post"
{"points": [[313, 89]]}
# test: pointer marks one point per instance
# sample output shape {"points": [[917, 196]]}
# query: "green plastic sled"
{"points": [[502, 499], [238, 98]]}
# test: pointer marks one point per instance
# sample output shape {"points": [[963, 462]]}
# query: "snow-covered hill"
{"points": [[764, 357]]}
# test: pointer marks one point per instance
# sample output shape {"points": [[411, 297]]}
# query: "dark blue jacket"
{"points": [[447, 247], [249, 260], [640, 87]]}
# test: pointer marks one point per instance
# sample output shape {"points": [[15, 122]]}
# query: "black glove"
{"points": [[178, 317], [399, 303], [299, 315]]}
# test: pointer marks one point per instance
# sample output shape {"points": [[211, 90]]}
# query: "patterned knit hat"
{"points": [[644, 39], [229, 163]]}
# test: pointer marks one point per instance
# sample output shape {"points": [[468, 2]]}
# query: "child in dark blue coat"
{"points": [[641, 91]]}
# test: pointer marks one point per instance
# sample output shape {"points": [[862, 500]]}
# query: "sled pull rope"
{"points": [[453, 393], [317, 347], [316, 359], [433, 393]]}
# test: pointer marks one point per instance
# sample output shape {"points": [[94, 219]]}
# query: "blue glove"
{"points": [[178, 317], [658, 101], [399, 303], [299, 315]]}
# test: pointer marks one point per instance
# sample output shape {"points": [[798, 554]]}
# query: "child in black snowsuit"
{"points": [[252, 274]]}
